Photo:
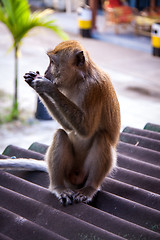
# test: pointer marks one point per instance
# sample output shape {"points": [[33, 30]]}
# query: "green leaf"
{"points": [[17, 17]]}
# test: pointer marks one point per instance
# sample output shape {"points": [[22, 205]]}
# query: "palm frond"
{"points": [[42, 19], [16, 15], [15, 11]]}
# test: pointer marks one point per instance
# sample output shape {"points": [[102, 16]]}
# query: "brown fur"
{"points": [[82, 99]]}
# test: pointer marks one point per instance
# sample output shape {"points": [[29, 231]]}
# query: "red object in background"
{"points": [[124, 14], [113, 4], [117, 12]]}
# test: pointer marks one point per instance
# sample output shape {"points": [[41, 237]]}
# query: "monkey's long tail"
{"points": [[23, 164]]}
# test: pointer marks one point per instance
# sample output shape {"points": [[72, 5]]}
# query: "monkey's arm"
{"points": [[74, 115], [62, 108], [85, 119], [35, 81], [54, 111]]}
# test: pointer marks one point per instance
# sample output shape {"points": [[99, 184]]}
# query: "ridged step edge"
{"points": [[141, 141], [152, 127], [82, 211], [145, 133]]}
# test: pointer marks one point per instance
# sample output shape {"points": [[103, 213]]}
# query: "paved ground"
{"points": [[134, 71]]}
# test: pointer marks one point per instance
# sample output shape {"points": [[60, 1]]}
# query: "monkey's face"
{"points": [[52, 72], [65, 67]]}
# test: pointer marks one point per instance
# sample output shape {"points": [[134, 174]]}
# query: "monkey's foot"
{"points": [[66, 197], [85, 194], [79, 197]]}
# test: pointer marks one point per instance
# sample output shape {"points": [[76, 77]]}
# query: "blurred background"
{"points": [[122, 37]]}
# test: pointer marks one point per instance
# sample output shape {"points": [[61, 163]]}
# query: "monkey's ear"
{"points": [[79, 59]]}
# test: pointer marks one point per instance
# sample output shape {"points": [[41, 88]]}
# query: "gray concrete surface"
{"points": [[135, 73]]}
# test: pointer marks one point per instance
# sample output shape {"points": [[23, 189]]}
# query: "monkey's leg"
{"points": [[59, 158], [99, 162]]}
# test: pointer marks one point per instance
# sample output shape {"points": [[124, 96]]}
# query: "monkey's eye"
{"points": [[51, 61]]}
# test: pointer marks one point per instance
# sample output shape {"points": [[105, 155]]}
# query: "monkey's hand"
{"points": [[39, 83]]}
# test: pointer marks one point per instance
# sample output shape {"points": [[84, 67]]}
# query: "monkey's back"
{"points": [[110, 118]]}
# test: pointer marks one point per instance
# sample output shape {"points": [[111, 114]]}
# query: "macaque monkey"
{"points": [[82, 99]]}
